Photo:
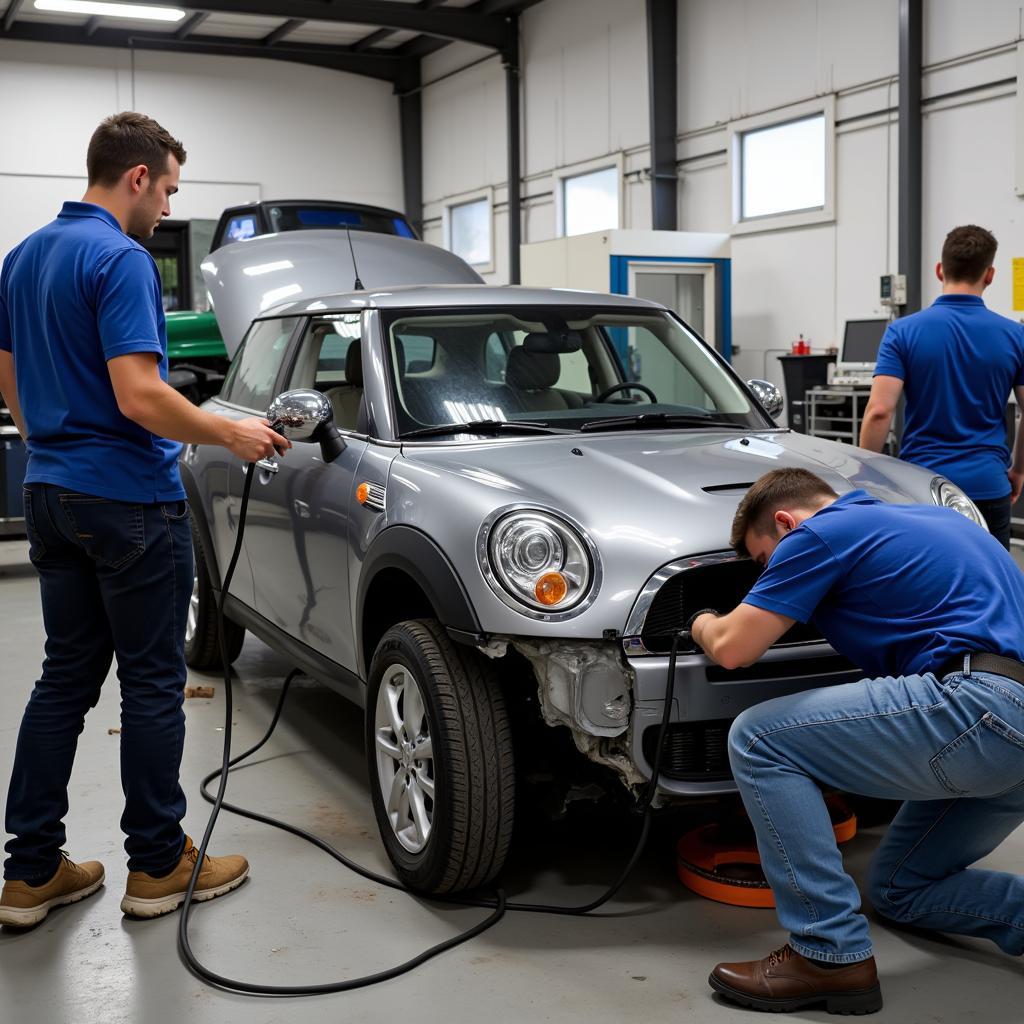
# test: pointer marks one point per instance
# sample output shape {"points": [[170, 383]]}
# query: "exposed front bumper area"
{"points": [[706, 700], [613, 705]]}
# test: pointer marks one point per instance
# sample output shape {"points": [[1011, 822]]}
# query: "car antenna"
{"points": [[358, 286]]}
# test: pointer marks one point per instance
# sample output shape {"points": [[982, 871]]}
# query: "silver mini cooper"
{"points": [[531, 491]]}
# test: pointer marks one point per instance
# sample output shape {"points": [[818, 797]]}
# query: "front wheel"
{"points": [[439, 751]]}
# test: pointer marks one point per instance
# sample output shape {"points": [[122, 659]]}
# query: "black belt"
{"points": [[984, 662]]}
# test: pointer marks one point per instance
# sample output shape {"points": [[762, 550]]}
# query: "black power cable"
{"points": [[498, 905]]}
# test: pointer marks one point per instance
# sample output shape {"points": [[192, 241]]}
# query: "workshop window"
{"points": [[590, 202], [255, 369], [469, 228], [782, 167]]}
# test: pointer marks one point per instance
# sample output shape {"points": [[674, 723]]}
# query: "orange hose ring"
{"points": [[707, 863]]}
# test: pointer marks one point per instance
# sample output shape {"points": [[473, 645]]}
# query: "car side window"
{"points": [[323, 353], [575, 373], [495, 359], [254, 370], [419, 352]]}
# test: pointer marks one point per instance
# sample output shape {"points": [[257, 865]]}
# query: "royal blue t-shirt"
{"points": [[73, 295], [898, 589], [958, 362]]}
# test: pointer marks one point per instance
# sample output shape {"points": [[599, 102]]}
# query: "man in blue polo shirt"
{"points": [[931, 608], [83, 370], [957, 361]]}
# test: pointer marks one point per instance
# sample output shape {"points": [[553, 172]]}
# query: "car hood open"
{"points": [[247, 278]]}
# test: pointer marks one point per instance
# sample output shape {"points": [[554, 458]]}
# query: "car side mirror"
{"points": [[307, 415], [768, 396]]}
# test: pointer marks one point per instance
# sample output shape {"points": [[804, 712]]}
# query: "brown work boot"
{"points": [[785, 980], [146, 896], [23, 905]]}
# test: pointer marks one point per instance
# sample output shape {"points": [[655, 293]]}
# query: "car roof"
{"points": [[442, 296]]}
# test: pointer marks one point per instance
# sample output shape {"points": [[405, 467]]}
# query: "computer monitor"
{"points": [[861, 339]]}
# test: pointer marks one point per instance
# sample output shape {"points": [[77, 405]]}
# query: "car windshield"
{"points": [[300, 216], [560, 368]]}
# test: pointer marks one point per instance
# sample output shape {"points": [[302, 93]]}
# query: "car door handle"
{"points": [[268, 466]]}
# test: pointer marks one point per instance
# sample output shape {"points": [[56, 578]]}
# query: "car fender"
{"points": [[418, 556], [195, 504]]}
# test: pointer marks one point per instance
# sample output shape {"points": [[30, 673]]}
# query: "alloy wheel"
{"points": [[405, 758], [192, 621]]}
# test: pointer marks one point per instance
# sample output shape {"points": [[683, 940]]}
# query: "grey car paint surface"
{"points": [[309, 543]]}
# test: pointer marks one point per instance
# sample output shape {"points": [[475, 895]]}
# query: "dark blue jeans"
{"points": [[116, 579], [997, 517]]}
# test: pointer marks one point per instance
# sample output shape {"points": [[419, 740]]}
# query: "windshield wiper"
{"points": [[654, 420], [482, 427]]}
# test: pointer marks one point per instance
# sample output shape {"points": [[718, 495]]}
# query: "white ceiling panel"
{"points": [[331, 33], [237, 26]]}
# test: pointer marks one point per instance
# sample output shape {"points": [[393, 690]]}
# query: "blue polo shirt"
{"points": [[73, 295], [958, 362], [898, 589]]}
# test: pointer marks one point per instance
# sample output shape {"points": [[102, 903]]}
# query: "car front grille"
{"points": [[694, 751], [720, 584]]}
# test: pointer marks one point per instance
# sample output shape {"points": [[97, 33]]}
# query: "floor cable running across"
{"points": [[498, 904]]}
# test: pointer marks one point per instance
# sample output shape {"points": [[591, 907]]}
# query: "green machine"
{"points": [[196, 355]]}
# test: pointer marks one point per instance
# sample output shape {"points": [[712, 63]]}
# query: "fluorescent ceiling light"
{"points": [[107, 10]]}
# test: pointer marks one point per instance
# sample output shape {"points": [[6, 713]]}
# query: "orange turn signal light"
{"points": [[362, 493], [551, 588]]}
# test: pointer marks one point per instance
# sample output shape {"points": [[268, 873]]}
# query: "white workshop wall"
{"points": [[584, 96], [252, 129]]}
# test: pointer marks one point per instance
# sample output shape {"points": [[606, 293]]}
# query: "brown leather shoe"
{"points": [[785, 981], [23, 905], [146, 896]]}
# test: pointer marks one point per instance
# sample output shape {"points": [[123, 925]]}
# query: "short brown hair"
{"points": [[126, 140], [775, 490], [967, 253]]}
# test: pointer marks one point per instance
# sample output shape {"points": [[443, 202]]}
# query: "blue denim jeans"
{"points": [[116, 579], [953, 749]]}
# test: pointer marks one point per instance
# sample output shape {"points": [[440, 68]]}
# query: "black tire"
{"points": [[202, 647], [472, 761]]}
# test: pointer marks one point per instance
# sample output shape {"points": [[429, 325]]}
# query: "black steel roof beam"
{"points": [[442, 22], [191, 24], [282, 30], [423, 45], [382, 66], [384, 33], [11, 13]]}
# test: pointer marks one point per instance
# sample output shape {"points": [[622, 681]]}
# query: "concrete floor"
{"points": [[301, 918]]}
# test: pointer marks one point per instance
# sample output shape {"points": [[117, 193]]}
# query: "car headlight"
{"points": [[538, 562], [950, 496]]}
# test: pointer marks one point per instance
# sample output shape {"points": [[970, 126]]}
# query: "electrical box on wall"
{"points": [[892, 291], [687, 271]]}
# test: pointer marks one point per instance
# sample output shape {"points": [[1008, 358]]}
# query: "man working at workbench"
{"points": [[957, 361], [931, 608]]}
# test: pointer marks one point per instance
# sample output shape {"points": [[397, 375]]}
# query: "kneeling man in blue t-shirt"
{"points": [[931, 608]]}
